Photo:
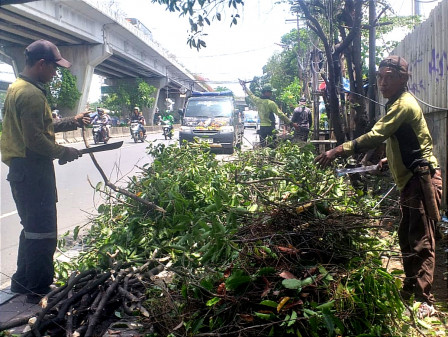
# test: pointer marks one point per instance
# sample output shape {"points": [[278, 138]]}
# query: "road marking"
{"points": [[8, 214]]}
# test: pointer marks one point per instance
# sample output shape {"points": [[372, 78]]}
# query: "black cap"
{"points": [[43, 49], [395, 62]]}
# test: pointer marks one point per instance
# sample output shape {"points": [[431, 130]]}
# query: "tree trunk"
{"points": [[333, 58]]}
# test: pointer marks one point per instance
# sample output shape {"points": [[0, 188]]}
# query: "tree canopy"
{"points": [[201, 13], [127, 95], [62, 92]]}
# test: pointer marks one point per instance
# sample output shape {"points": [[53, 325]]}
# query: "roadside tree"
{"points": [[130, 94], [62, 92]]}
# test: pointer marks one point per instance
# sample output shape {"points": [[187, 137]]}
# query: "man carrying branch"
{"points": [[267, 109], [414, 169]]}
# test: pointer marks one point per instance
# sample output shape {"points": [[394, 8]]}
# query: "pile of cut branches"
{"points": [[263, 244], [90, 301]]}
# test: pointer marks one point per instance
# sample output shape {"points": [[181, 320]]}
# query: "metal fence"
{"points": [[426, 50]]}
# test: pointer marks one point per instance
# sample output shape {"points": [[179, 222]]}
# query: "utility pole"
{"points": [[372, 64], [315, 89], [416, 7], [299, 66]]}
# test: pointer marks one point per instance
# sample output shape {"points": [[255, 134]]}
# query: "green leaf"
{"points": [[237, 279], [207, 284], [184, 291], [269, 303], [308, 281], [293, 318], [75, 232], [327, 305], [292, 284], [265, 271], [211, 302], [98, 186], [197, 325], [309, 312], [253, 208], [263, 315]]}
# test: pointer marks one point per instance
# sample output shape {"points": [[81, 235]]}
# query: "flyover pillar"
{"points": [[14, 56], [84, 59], [158, 84], [179, 102]]}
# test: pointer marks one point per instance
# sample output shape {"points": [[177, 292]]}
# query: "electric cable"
{"points": [[427, 104], [221, 55], [426, 1]]}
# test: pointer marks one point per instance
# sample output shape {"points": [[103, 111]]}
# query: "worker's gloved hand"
{"points": [[70, 154]]}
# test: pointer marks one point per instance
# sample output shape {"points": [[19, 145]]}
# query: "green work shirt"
{"points": [[265, 108], [408, 141], [27, 122]]}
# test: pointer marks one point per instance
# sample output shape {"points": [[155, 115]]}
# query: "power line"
{"points": [[426, 1], [427, 104], [220, 55]]}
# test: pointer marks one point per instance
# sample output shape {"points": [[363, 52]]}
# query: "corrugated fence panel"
{"points": [[426, 50]]}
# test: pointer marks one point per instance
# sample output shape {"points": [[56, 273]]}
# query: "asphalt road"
{"points": [[77, 199]]}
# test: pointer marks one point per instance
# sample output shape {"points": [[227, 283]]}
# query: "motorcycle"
{"points": [[100, 133], [136, 132], [168, 130]]}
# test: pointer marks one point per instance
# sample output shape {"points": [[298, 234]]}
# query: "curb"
{"points": [[115, 132]]}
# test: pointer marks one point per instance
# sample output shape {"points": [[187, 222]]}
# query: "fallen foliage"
{"points": [[264, 244]]}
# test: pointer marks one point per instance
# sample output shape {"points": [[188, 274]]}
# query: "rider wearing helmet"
{"points": [[104, 119], [137, 117]]}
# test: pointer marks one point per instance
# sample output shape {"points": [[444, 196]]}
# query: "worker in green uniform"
{"points": [[28, 147], [267, 109], [415, 170]]}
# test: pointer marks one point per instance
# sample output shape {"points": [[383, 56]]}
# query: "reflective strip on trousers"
{"points": [[40, 236]]}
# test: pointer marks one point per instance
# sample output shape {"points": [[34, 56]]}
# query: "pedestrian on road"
{"points": [[302, 120], [267, 109], [28, 147], [416, 172]]}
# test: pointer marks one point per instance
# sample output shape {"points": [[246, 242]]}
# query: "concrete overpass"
{"points": [[96, 40]]}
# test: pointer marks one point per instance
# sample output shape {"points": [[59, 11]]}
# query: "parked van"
{"points": [[211, 117]]}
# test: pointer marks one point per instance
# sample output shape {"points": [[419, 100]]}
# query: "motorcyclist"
{"points": [[168, 119], [103, 119], [137, 117]]}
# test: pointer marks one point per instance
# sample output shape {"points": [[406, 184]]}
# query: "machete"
{"points": [[344, 171], [105, 147]]}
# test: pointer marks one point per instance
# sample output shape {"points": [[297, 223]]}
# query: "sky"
{"points": [[232, 52]]}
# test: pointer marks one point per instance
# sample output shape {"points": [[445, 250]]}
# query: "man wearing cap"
{"points": [[414, 169], [267, 109], [28, 147], [301, 120]]}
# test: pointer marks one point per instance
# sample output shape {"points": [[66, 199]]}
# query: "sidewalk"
{"points": [[14, 306]]}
